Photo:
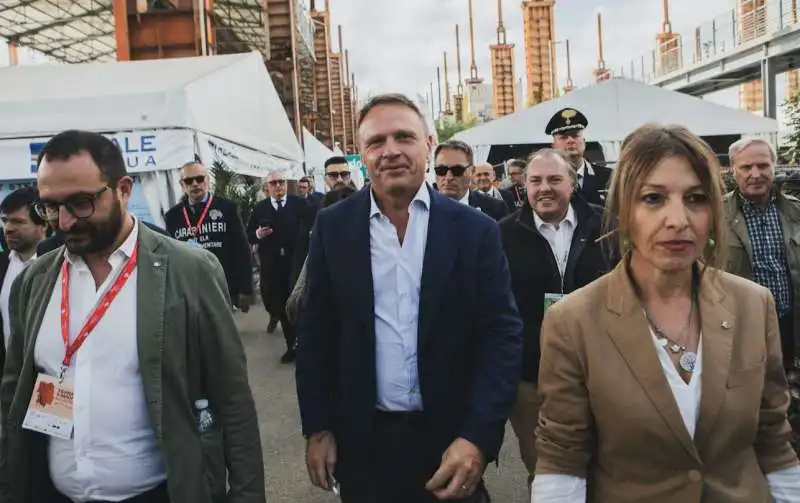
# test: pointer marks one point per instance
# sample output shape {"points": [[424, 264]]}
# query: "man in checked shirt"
{"points": [[765, 233], [764, 246]]}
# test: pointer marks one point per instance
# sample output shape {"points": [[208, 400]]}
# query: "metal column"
{"points": [[768, 88]]}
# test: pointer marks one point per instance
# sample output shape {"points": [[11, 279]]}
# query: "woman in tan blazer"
{"points": [[662, 381]]}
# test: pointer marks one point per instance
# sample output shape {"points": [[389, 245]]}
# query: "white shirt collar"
{"points": [[14, 256], [275, 201], [568, 218], [586, 168], [465, 199], [124, 251], [422, 197]]}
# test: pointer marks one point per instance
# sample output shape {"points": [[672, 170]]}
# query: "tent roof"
{"points": [[231, 97], [615, 108]]}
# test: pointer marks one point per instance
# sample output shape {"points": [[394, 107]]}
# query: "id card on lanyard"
{"points": [[50, 408], [194, 230]]}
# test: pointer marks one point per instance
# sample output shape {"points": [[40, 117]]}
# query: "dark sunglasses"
{"points": [[194, 179], [456, 169], [333, 175], [276, 182]]}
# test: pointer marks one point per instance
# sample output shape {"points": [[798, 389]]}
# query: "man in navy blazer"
{"points": [[410, 342]]}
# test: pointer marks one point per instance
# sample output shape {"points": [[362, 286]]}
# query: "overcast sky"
{"points": [[396, 45]]}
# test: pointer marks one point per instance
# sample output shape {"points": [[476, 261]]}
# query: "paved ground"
{"points": [[274, 390]]}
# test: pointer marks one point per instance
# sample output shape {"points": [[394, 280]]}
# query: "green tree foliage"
{"points": [[241, 189], [447, 127], [792, 146]]}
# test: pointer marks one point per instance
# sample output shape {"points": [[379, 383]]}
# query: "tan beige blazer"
{"points": [[609, 415]]}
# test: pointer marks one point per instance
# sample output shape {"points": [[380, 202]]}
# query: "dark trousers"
{"points": [[156, 495], [275, 289], [397, 467]]}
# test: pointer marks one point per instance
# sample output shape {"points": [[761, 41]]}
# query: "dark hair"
{"points": [[20, 198], [337, 159], [337, 194], [456, 145], [389, 99], [518, 163], [105, 154]]}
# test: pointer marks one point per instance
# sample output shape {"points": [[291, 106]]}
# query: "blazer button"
{"points": [[695, 476]]}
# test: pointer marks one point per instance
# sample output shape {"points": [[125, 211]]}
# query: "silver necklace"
{"points": [[687, 359]]}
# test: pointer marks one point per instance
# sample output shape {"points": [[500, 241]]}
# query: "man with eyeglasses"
{"points": [[454, 169], [119, 342], [514, 195], [275, 226], [214, 223]]}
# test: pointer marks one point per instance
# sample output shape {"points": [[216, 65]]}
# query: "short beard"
{"points": [[101, 235]]}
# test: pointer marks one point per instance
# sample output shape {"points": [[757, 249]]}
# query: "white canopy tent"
{"points": [[615, 108], [161, 113], [316, 155]]}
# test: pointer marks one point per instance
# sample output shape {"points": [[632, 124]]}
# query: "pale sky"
{"points": [[396, 45]]}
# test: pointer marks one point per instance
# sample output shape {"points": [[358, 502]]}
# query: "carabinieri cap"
{"points": [[566, 119]]}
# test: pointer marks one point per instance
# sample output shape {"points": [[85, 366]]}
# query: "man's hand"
{"points": [[263, 232], [321, 459], [460, 472], [244, 302]]}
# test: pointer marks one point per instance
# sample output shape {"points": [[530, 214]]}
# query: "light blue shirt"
{"points": [[396, 277]]}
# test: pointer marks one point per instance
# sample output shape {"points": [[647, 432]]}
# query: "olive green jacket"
{"points": [[740, 249], [189, 348]]}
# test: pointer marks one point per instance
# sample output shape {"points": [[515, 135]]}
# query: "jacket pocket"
{"points": [[751, 374]]}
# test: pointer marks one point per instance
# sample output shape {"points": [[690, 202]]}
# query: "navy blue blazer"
{"points": [[495, 208], [469, 340]]}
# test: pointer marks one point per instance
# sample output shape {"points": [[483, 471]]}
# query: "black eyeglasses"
{"points": [[456, 169], [79, 206], [276, 182], [333, 175], [189, 180]]}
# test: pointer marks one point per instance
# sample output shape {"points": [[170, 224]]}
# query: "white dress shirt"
{"points": [[494, 193], [555, 488], [16, 264], [559, 236], [465, 200], [112, 454], [396, 277]]}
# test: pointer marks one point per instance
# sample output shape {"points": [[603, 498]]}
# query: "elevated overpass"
{"points": [[735, 47]]}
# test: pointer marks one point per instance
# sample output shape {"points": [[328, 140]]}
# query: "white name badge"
{"points": [[50, 409], [552, 298]]}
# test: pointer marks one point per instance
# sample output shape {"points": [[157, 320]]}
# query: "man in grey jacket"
{"points": [[125, 378]]}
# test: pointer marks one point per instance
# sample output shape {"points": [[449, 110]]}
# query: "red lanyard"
{"points": [[193, 230], [97, 313]]}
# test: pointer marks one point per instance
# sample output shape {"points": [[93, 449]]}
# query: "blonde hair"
{"points": [[641, 152]]}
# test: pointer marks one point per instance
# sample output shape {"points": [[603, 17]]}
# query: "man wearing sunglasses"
{"points": [[454, 169], [214, 223], [133, 337], [275, 227], [337, 172]]}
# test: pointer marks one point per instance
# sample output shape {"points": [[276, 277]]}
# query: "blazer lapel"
{"points": [[440, 255], [151, 306], [353, 241], [738, 224], [717, 340], [631, 336]]}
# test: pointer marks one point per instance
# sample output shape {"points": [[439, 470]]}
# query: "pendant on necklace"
{"points": [[688, 361], [675, 348]]}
